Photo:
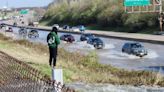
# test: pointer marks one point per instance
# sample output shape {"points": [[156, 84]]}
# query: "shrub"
{"points": [[105, 13]]}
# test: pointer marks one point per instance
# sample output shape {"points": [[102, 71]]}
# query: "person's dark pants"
{"points": [[53, 55]]}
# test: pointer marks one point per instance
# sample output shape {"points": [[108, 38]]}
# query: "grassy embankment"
{"points": [[106, 15], [76, 67]]}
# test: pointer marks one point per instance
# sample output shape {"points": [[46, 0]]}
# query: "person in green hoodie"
{"points": [[53, 42]]}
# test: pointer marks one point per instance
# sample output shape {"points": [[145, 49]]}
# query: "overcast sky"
{"points": [[24, 3]]}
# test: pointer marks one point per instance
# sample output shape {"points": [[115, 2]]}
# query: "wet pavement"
{"points": [[113, 88]]}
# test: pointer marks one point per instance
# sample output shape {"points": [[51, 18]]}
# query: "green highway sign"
{"points": [[136, 2], [23, 12]]}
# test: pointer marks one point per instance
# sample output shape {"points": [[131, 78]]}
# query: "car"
{"points": [[82, 28], [15, 24], [33, 34], [96, 42], [2, 25], [66, 27], [159, 33], [36, 24], [31, 24], [75, 29], [56, 25], [23, 31], [23, 22], [85, 37], [134, 48], [8, 29], [68, 38]]}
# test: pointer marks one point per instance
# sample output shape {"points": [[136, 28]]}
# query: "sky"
{"points": [[24, 3]]}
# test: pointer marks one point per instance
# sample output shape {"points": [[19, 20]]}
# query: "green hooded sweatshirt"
{"points": [[53, 40]]}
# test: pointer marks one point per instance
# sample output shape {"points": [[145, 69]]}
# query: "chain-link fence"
{"points": [[17, 76]]}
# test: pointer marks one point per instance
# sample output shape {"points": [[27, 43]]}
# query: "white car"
{"points": [[75, 29], [56, 25], [36, 23]]}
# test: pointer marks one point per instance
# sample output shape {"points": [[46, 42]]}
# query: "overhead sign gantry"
{"points": [[136, 2], [145, 6]]}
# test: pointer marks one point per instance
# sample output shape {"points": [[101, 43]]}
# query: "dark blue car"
{"points": [[85, 37], [68, 38], [66, 27], [135, 49], [96, 42]]}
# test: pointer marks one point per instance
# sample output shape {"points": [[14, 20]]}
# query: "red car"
{"points": [[9, 29], [68, 38]]}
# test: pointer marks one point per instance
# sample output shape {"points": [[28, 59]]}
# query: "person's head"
{"points": [[54, 29]]}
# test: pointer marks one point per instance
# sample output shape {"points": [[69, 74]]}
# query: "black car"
{"points": [[68, 38], [31, 24], [66, 27], [135, 49], [2, 25], [15, 24], [23, 31], [85, 37], [33, 34], [96, 42]]}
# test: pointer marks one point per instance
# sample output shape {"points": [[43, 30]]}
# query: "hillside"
{"points": [[100, 14]]}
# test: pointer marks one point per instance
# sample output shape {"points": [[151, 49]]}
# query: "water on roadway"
{"points": [[111, 54]]}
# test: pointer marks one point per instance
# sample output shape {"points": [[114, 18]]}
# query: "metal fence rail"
{"points": [[17, 76]]}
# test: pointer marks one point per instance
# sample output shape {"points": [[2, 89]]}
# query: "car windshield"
{"points": [[98, 40], [89, 35], [137, 46], [68, 35]]}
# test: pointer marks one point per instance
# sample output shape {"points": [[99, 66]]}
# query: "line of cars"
{"points": [[90, 38], [131, 48], [22, 31], [79, 28], [6, 28], [31, 34]]}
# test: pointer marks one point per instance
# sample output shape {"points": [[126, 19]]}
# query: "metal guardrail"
{"points": [[17, 76]]}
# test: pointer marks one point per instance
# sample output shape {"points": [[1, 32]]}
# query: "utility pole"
{"points": [[161, 15]]}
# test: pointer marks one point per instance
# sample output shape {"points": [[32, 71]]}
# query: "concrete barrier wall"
{"points": [[102, 35]]}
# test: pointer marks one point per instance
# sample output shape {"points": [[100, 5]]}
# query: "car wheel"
{"points": [[140, 56], [123, 50], [95, 46], [81, 39]]}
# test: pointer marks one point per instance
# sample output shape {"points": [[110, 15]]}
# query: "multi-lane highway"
{"points": [[112, 54]]}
